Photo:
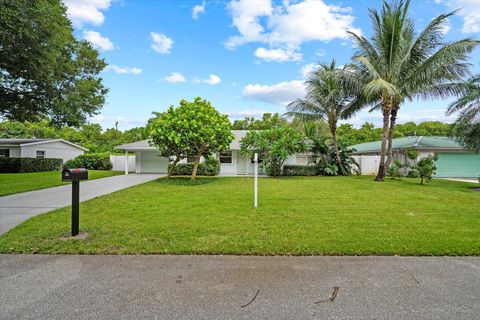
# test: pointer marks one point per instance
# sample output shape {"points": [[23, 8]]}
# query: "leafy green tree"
{"points": [[192, 129], [326, 99], [426, 168], [44, 70], [274, 146], [168, 136], [398, 65]]}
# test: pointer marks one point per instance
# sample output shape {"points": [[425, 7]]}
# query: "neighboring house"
{"points": [[40, 148], [232, 162], [453, 160]]}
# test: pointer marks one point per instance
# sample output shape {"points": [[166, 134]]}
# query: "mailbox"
{"points": [[76, 174]]}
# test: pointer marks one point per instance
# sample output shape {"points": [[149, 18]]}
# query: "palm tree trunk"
{"points": [[393, 119], [333, 130], [386, 107]]}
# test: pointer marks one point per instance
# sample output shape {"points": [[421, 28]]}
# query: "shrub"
{"points": [[426, 168], [298, 170], [92, 161], [413, 173], [17, 165], [210, 167], [394, 170]]}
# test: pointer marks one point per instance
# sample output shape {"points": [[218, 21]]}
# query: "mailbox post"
{"points": [[75, 176]]}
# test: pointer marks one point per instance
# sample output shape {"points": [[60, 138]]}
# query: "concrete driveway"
{"points": [[19, 207], [216, 287]]}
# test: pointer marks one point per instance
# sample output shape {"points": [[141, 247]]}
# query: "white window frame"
{"points": [[42, 156]]}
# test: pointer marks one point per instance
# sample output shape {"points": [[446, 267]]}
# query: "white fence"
{"points": [[118, 163], [368, 165]]}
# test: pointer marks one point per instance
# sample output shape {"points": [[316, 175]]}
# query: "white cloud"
{"points": [[161, 43], [279, 55], [288, 25], [470, 12], [308, 68], [321, 52], [99, 42], [198, 9], [280, 93], [175, 77], [123, 70], [212, 79], [83, 12]]}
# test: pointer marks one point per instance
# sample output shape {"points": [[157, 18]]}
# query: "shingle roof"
{"points": [[420, 142], [144, 145]]}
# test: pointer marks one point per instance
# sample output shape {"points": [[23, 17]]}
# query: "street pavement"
{"points": [[238, 287]]}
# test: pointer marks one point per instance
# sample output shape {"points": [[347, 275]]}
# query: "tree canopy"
{"points": [[44, 69], [274, 146]]}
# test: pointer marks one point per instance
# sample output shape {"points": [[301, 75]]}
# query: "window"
{"points": [[226, 157], [301, 159], [4, 153], [41, 154]]}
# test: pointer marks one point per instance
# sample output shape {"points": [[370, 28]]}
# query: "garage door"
{"points": [[458, 165], [152, 163]]}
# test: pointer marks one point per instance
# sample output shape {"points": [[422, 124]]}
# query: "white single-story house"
{"points": [[453, 160], [147, 159], [40, 148]]}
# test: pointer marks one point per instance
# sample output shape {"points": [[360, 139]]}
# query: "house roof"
{"points": [[34, 141], [418, 142], [144, 145]]}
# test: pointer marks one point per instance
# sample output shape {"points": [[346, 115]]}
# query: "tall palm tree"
{"points": [[398, 65], [467, 126], [326, 99]]}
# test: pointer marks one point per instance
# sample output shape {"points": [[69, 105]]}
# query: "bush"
{"points": [[210, 167], [92, 161], [298, 170], [394, 170], [413, 173], [17, 165]]}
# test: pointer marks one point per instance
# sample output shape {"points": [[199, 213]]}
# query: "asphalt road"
{"points": [[16, 208], [216, 287]]}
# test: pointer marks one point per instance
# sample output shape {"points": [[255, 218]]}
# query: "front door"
{"points": [[241, 164]]}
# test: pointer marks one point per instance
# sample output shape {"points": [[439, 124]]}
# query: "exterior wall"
{"points": [[118, 163], [56, 149], [150, 162], [15, 152]]}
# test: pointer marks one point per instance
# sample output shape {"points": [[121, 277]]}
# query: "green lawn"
{"points": [[11, 183], [296, 216]]}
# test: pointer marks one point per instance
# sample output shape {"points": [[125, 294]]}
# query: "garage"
{"points": [[458, 165], [150, 162]]}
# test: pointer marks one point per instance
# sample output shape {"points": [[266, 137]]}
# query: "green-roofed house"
{"points": [[453, 160]]}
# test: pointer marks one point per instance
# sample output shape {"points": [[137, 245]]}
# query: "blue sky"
{"points": [[246, 57]]}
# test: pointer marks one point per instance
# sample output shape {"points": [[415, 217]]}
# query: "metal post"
{"points": [[126, 162], [255, 166], [75, 207]]}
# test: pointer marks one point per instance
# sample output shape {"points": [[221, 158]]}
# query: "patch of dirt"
{"points": [[80, 236]]}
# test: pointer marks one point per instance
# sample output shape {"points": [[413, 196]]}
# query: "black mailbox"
{"points": [[76, 174]]}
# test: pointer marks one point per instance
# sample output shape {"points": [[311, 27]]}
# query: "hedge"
{"points": [[298, 170], [211, 167], [92, 161], [17, 165]]}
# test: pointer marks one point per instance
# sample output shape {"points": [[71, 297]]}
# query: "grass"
{"points": [[296, 216], [11, 183]]}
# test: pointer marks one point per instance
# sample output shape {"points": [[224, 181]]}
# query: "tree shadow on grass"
{"points": [[186, 181]]}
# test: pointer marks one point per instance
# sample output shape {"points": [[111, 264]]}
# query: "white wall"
{"points": [[118, 163], [56, 149], [14, 151]]}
